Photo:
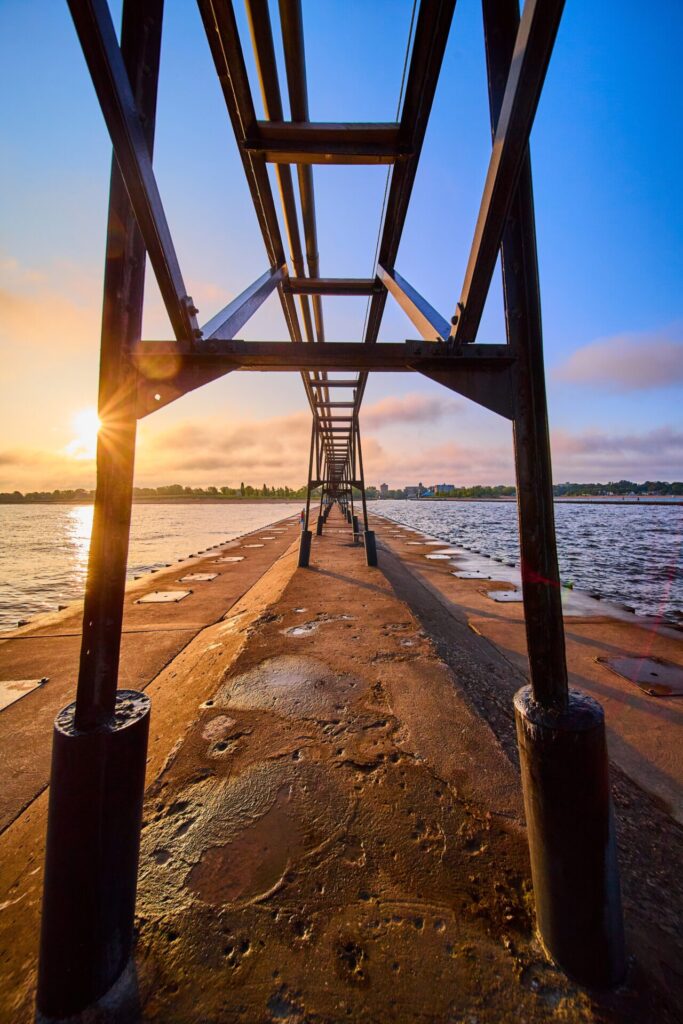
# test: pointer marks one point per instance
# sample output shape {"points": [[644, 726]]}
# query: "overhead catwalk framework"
{"points": [[100, 741]]}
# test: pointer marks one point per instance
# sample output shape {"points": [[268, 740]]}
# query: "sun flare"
{"points": [[85, 425]]}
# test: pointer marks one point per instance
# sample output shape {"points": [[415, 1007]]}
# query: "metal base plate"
{"points": [[505, 596], [231, 558], [435, 556], [473, 575], [653, 676], [12, 690], [164, 597], [198, 577]]}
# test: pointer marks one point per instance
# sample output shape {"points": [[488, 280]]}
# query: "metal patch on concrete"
{"points": [[505, 596], [253, 545], [416, 543], [164, 597], [437, 555], [473, 575], [12, 690], [231, 558], [654, 676], [198, 577]]}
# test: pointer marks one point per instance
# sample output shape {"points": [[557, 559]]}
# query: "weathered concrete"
{"points": [[338, 836], [152, 636], [645, 733], [650, 841]]}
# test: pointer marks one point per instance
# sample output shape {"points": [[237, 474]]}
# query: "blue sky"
{"points": [[606, 157]]}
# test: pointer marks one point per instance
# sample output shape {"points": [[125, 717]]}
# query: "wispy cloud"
{"points": [[410, 408], [275, 451], [628, 362]]}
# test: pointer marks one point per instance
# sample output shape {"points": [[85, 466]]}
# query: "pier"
{"points": [[277, 795], [333, 823]]}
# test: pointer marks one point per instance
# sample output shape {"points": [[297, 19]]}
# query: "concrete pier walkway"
{"points": [[331, 830]]}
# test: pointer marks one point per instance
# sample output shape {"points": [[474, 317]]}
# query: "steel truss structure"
{"points": [[580, 917]]}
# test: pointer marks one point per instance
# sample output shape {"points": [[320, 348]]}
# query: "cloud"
{"points": [[628, 362], [275, 451], [57, 310], [410, 408]]}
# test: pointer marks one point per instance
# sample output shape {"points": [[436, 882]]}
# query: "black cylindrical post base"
{"points": [[356, 529], [305, 549], [370, 547], [565, 778], [91, 860], [319, 526], [348, 516]]}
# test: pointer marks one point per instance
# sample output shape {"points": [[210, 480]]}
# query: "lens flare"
{"points": [[86, 425]]}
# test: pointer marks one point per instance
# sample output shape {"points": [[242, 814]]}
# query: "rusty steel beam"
{"points": [[561, 733], [333, 285], [101, 50], [338, 355], [98, 755], [306, 142], [533, 47], [431, 325]]}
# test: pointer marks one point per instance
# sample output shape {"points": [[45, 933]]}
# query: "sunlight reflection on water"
{"points": [[44, 548]]}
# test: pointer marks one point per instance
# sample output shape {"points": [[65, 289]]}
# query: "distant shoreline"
{"points": [[188, 499]]}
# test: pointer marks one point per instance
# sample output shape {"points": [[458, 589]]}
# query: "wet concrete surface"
{"points": [[332, 829], [152, 636], [650, 840], [340, 838], [645, 733]]}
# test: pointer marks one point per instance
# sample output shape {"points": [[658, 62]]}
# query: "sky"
{"points": [[606, 157]]}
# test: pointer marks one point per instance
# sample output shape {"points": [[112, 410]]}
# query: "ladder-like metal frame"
{"points": [[138, 377]]}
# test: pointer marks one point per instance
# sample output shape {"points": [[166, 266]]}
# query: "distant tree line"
{"points": [[175, 491], [250, 493]]}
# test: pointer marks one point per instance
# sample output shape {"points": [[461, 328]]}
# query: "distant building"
{"points": [[384, 490], [443, 488], [411, 492]]}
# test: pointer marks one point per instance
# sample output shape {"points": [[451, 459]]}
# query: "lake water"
{"points": [[627, 553], [630, 554], [44, 548]]}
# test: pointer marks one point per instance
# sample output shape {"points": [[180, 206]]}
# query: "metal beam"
{"points": [[283, 356], [228, 322], [306, 142], [333, 285], [533, 47], [431, 325], [108, 72]]}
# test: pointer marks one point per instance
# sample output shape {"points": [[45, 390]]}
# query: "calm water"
{"points": [[631, 554], [44, 548]]}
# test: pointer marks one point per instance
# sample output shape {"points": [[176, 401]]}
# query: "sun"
{"points": [[85, 425]]}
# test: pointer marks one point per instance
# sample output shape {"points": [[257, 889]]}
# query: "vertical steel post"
{"points": [[368, 534], [100, 742], [306, 535], [560, 733]]}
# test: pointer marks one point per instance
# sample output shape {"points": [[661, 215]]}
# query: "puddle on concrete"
{"points": [[305, 630], [291, 685], [254, 862]]}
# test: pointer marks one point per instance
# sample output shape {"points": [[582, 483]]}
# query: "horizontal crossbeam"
{"points": [[282, 356], [307, 142], [333, 285]]}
